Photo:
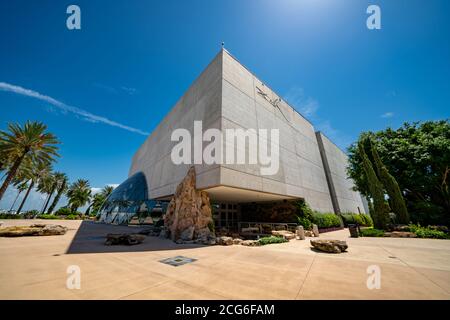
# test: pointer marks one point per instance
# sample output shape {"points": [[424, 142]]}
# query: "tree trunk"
{"points": [[48, 200], [11, 174], [56, 200], [17, 197], [26, 196]]}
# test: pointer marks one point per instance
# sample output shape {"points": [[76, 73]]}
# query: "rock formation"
{"points": [[331, 246], [33, 230], [284, 234], [189, 215], [124, 239]]}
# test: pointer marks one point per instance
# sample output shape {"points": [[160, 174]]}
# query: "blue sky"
{"points": [[132, 60]]}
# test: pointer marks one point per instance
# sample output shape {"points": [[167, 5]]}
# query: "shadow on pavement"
{"points": [[90, 238]]}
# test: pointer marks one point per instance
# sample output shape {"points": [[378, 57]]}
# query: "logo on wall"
{"points": [[273, 102]]}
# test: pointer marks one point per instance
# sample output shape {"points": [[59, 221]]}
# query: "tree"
{"points": [[79, 194], [31, 141], [61, 182], [32, 172], [381, 209], [393, 190], [46, 186], [21, 187], [417, 155], [99, 199]]}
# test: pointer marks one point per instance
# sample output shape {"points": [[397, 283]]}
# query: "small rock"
{"points": [[400, 234], [124, 239], [187, 233], [315, 230], [237, 241], [224, 241], [309, 233], [163, 234], [250, 243], [330, 246], [284, 233], [300, 233]]}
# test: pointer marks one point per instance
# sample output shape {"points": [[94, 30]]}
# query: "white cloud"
{"points": [[96, 190], [387, 115], [66, 108]]}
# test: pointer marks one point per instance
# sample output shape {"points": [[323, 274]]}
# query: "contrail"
{"points": [[61, 105]]}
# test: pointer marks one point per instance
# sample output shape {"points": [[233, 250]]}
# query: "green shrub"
{"points": [[72, 217], [427, 232], [63, 211], [272, 239], [304, 214], [10, 216], [361, 219], [368, 222], [371, 232], [32, 213], [326, 220], [305, 223], [47, 216]]}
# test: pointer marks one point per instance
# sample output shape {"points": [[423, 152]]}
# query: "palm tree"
{"points": [[30, 141], [61, 181], [33, 172], [99, 199], [79, 194], [21, 187], [46, 186]]}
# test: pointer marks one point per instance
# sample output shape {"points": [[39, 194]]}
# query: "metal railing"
{"points": [[265, 227]]}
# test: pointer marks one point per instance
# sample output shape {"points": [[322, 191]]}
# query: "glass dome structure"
{"points": [[129, 202]]}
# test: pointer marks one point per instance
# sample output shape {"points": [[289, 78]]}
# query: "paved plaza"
{"points": [[36, 268]]}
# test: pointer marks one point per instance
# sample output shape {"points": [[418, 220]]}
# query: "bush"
{"points": [[10, 216], [427, 232], [270, 240], [326, 220], [371, 232], [63, 211], [356, 218], [304, 214], [47, 216], [72, 217], [368, 222]]}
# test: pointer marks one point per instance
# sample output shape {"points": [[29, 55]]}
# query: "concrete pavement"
{"points": [[36, 268]]}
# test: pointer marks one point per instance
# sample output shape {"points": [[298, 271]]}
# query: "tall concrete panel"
{"points": [[335, 163]]}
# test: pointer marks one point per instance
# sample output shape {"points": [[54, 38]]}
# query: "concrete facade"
{"points": [[228, 96], [335, 161]]}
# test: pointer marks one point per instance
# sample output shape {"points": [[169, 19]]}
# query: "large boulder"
{"points": [[224, 241], [250, 243], [284, 234], [124, 239], [189, 212], [330, 246], [33, 230]]}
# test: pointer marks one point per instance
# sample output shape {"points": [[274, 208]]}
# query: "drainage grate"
{"points": [[177, 261]]}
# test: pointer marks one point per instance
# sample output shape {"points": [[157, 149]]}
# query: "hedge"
{"points": [[355, 218], [326, 220]]}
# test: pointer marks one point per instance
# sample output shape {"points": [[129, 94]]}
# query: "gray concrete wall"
{"points": [[335, 164], [226, 96], [301, 173]]}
